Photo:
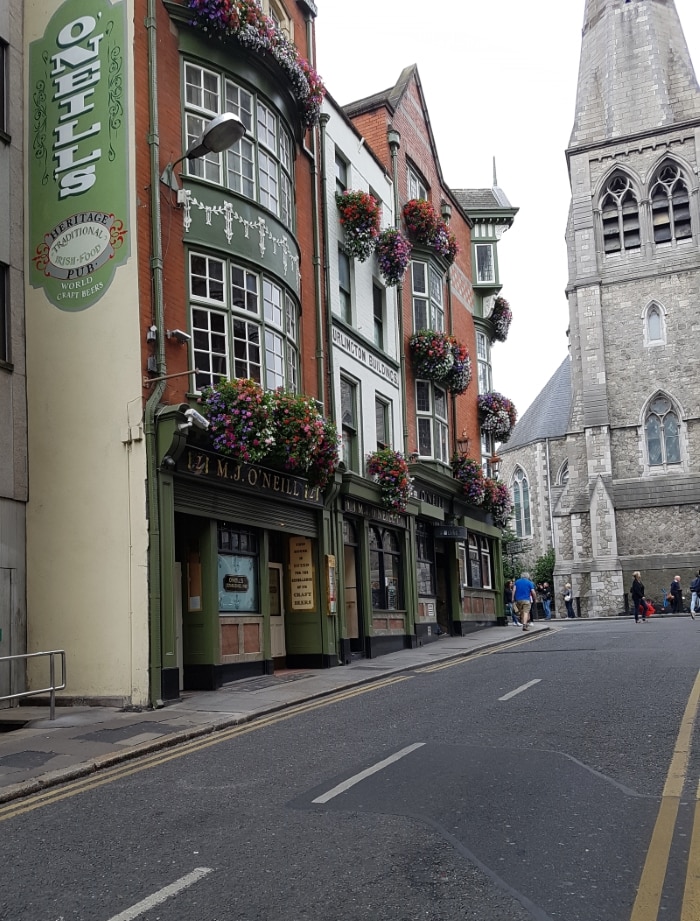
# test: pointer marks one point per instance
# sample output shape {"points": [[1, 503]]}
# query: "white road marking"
{"points": [[162, 895], [351, 781], [523, 687]]}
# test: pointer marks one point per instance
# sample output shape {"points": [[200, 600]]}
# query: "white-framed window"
{"points": [[654, 319], [344, 285], [488, 450], [382, 411], [378, 315], [244, 325], [662, 433], [620, 215], [670, 205], [428, 307], [348, 420], [431, 412], [277, 13], [485, 263], [416, 186], [341, 173], [520, 488], [261, 165], [483, 358]]}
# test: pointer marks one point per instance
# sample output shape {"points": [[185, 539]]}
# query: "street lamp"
{"points": [[219, 134]]}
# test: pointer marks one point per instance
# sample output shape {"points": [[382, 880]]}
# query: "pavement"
{"points": [[37, 752]]}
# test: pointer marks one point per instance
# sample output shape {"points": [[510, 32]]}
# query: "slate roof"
{"points": [[482, 199], [549, 413]]}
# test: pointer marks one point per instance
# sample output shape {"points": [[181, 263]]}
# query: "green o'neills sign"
{"points": [[78, 153]]}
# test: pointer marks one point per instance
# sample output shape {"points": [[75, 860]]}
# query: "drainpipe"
{"points": [[394, 139], [153, 505], [316, 259], [549, 495], [326, 270]]}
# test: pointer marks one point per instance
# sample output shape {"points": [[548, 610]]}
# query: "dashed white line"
{"points": [[162, 895], [351, 781], [523, 687]]}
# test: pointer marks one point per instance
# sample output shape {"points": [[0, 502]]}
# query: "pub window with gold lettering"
{"points": [[237, 570]]}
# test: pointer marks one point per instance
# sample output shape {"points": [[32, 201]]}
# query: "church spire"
{"points": [[635, 71]]}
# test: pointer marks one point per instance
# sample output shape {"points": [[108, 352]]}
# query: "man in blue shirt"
{"points": [[524, 596]]}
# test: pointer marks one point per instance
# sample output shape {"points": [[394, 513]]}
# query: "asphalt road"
{"points": [[526, 783]]}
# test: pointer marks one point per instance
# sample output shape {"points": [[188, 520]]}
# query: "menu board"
{"points": [[301, 574]]}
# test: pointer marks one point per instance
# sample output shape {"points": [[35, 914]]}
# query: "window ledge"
{"points": [[7, 366], [4, 136]]}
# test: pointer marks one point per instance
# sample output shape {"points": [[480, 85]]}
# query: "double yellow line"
{"points": [[648, 901], [179, 750]]}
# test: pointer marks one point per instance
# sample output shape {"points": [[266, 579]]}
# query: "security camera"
{"points": [[197, 419], [178, 334]]}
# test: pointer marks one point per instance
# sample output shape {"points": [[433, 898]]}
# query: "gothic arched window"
{"points": [[521, 503], [662, 433], [563, 475], [620, 215], [654, 325], [670, 205]]}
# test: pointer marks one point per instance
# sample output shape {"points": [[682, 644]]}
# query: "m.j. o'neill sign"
{"points": [[78, 154]]}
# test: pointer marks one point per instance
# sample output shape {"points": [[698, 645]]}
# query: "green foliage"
{"points": [[512, 548], [544, 568]]}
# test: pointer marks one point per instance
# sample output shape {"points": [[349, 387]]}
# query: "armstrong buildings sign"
{"points": [[78, 154]]}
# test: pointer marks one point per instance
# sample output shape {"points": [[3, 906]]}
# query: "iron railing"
{"points": [[53, 687]]}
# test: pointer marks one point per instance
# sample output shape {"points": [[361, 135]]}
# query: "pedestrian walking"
{"points": [[524, 597], [546, 599], [695, 595], [637, 594], [508, 598], [569, 601], [676, 595]]}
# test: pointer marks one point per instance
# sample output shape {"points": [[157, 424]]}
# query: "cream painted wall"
{"points": [[87, 533]]}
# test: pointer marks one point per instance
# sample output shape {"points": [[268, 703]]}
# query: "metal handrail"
{"points": [[53, 687]]}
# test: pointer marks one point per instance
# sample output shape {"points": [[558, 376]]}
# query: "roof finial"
{"points": [[495, 180]]}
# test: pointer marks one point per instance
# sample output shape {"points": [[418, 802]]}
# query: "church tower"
{"points": [[632, 500]]}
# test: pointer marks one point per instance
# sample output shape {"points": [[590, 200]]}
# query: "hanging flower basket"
{"points": [[460, 374], [501, 316], [360, 216], [393, 255], [390, 469], [440, 358], [244, 21], [240, 424], [282, 429], [427, 229], [497, 415], [471, 476], [305, 442], [498, 501]]}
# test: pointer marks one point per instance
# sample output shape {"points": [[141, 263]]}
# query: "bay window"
{"points": [[431, 411], [428, 307], [244, 325], [260, 165]]}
